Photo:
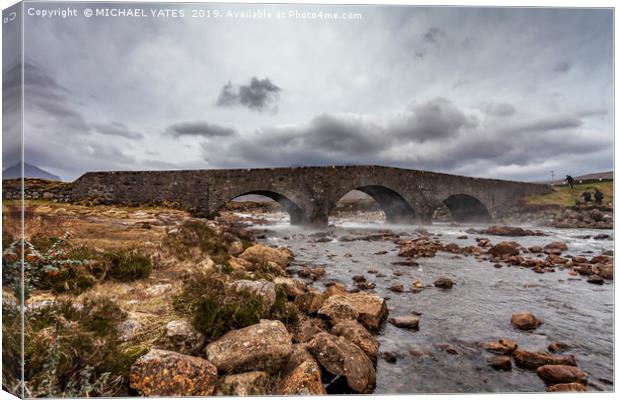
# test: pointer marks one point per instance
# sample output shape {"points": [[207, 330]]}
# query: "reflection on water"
{"points": [[475, 311]]}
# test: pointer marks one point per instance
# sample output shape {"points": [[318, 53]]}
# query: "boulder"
{"points": [[337, 309], [261, 254], [239, 264], [501, 346], [534, 359], [312, 273], [335, 288], [262, 289], [397, 288], [556, 246], [567, 387], [552, 374], [235, 248], [555, 347], [505, 249], [524, 321], [307, 328], [309, 302], [167, 373], [299, 354], [405, 321], [372, 309], [182, 337], [444, 283], [263, 347], [602, 259], [254, 383], [420, 247], [341, 357], [500, 362], [292, 287], [503, 230], [606, 272], [535, 249], [305, 379], [595, 279], [355, 333]]}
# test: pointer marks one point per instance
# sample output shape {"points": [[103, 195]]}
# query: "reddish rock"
{"points": [[552, 374], [500, 362], [261, 254], [262, 347], [505, 249], [557, 246], [355, 333], [167, 373], [567, 387], [305, 379], [501, 346], [309, 302], [405, 321], [307, 328], [606, 272], [533, 359], [524, 321], [601, 259], [557, 346], [341, 357], [335, 288], [398, 288]]}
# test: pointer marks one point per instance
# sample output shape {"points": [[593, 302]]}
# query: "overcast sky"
{"points": [[503, 93]]}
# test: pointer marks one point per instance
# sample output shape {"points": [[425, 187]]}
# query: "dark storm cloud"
{"points": [[258, 95], [433, 35], [44, 96], [435, 120], [54, 116], [199, 128], [436, 134], [118, 129], [562, 67], [544, 124]]}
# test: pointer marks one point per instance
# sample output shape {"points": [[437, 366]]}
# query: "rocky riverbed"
{"points": [[154, 302], [452, 290]]}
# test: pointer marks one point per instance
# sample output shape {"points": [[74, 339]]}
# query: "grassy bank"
{"points": [[564, 196]]}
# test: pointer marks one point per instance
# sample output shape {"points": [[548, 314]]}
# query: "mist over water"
{"points": [[476, 310]]}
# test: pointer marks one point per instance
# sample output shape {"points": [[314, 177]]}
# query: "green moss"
{"points": [[215, 310], [213, 317], [128, 265], [284, 310], [197, 235]]}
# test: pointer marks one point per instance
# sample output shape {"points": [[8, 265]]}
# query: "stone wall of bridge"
{"points": [[310, 193]]}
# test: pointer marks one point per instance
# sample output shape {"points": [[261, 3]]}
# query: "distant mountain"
{"points": [[30, 171]]}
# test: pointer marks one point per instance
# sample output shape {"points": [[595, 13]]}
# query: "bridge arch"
{"points": [[296, 213], [396, 208], [466, 208]]}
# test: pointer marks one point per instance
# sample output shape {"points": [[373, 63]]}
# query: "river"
{"points": [[476, 310]]}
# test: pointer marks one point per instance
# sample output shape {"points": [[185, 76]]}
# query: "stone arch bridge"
{"points": [[308, 194]]}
